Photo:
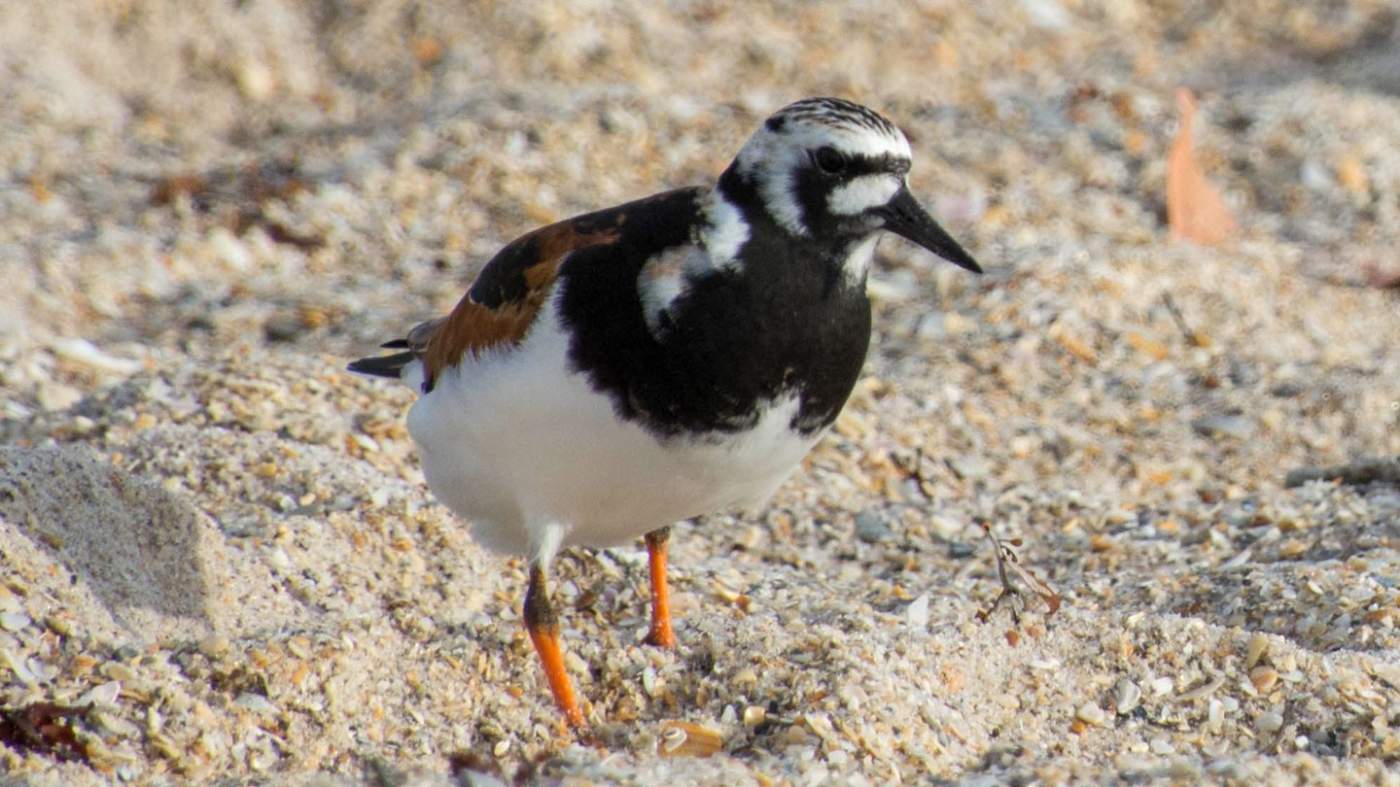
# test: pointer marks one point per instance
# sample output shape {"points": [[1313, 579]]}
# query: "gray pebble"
{"points": [[1238, 427], [961, 550], [871, 527], [970, 467], [14, 621]]}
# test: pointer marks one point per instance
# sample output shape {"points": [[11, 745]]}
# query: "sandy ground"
{"points": [[219, 559]]}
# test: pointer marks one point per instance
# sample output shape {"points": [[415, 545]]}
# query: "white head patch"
{"points": [[863, 193]]}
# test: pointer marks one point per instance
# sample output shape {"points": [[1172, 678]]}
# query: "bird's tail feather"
{"points": [[383, 365]]}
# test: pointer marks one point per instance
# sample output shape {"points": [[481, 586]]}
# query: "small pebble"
{"points": [[284, 328], [256, 703], [754, 716], [278, 559], [1090, 713], [1315, 175], [104, 695], [14, 621], [916, 614], [40, 671], [1269, 722], [214, 647], [930, 327], [969, 467], [1215, 714], [116, 670], [897, 287], [57, 396], [946, 527], [1264, 678], [1185, 771], [256, 80], [114, 724], [1237, 427], [1126, 696], [84, 352], [1258, 646], [19, 667], [871, 527], [651, 683], [961, 550]]}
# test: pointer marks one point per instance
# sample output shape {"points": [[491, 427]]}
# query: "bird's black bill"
{"points": [[904, 216]]}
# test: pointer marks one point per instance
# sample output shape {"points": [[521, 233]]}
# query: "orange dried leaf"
{"points": [[1195, 209]]}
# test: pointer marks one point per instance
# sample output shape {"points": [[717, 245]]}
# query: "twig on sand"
{"points": [[1193, 338], [1008, 564]]}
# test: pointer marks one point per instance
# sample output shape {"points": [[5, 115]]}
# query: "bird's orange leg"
{"points": [[543, 625], [660, 634]]}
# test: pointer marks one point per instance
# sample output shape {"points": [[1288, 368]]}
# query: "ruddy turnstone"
{"points": [[615, 372]]}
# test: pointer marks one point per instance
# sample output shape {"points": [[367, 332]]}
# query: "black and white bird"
{"points": [[618, 371]]}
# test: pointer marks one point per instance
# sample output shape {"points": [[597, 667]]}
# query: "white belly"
{"points": [[514, 443]]}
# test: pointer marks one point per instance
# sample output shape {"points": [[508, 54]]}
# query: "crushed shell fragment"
{"points": [[686, 739]]}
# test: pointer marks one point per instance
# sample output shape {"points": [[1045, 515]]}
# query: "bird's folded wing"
{"points": [[508, 295]]}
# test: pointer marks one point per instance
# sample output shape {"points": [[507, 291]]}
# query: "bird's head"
{"points": [[836, 172]]}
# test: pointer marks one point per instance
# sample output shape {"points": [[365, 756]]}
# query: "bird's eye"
{"points": [[830, 160]]}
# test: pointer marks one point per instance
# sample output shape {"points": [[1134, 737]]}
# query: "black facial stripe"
{"points": [[810, 188], [861, 164]]}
